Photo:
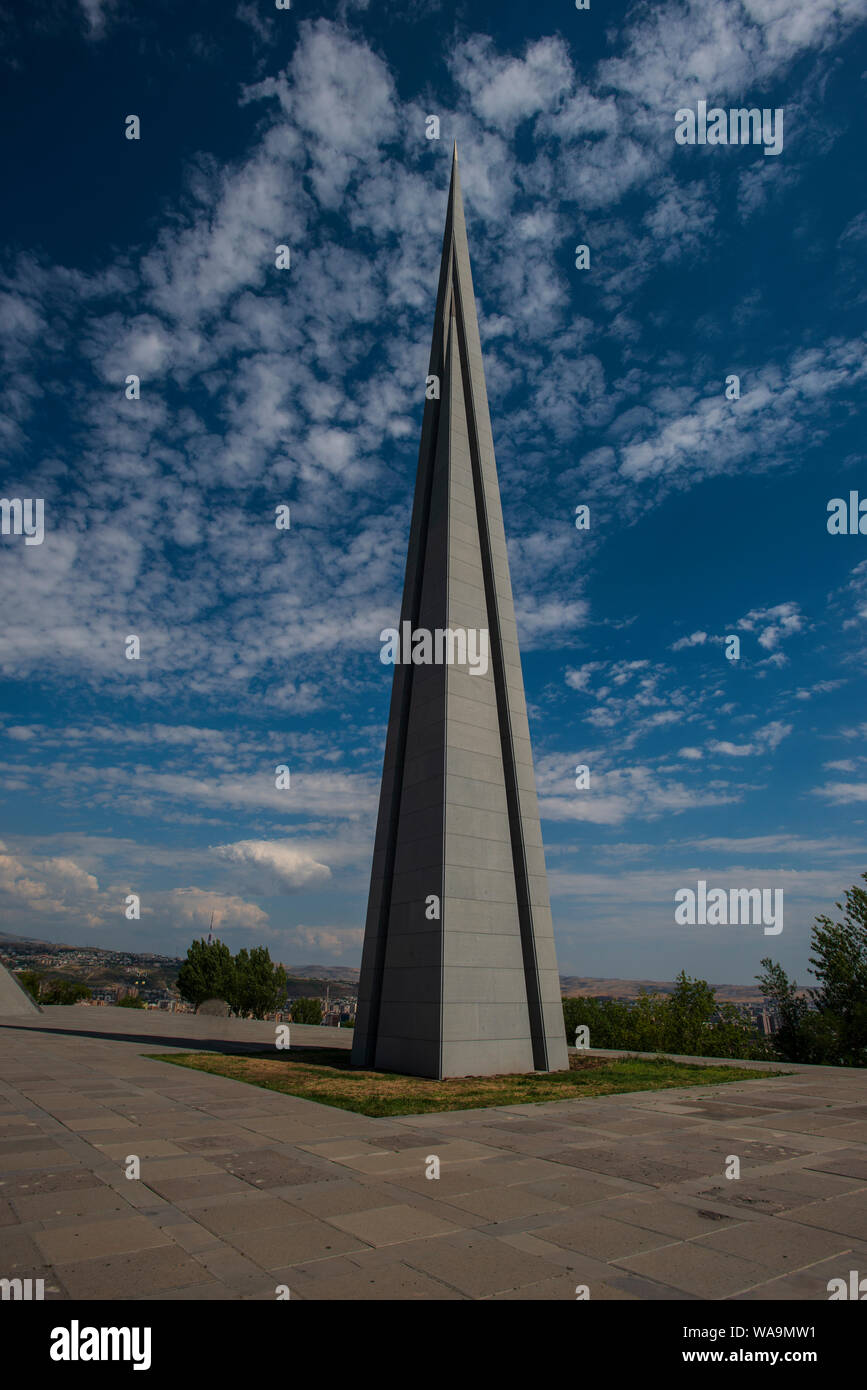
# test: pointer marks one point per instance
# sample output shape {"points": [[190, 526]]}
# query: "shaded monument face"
{"points": [[458, 974], [15, 1002]]}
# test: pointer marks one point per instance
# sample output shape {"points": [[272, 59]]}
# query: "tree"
{"points": [[840, 966], [306, 1010], [259, 985], [791, 1039], [689, 1021], [131, 1001], [31, 981], [207, 973], [65, 992], [834, 1032]]}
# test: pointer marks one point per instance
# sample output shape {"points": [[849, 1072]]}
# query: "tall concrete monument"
{"points": [[458, 974]]}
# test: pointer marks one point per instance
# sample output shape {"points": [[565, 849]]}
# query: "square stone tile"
{"points": [[131, 1276], [779, 1245], [182, 1191], [88, 1238], [264, 1168], [103, 1122], [801, 1285], [477, 1265], [62, 1208], [665, 1215], [849, 1163], [230, 1266], [390, 1282], [155, 1170], [845, 1215], [48, 1156], [694, 1269], [460, 1177], [19, 1255], [574, 1189], [647, 1162], [338, 1198], [142, 1148], [505, 1203], [288, 1245], [66, 1179], [234, 1143], [563, 1288], [392, 1224], [600, 1237], [255, 1212]]}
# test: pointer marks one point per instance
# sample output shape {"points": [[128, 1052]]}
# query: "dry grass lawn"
{"points": [[325, 1075]]}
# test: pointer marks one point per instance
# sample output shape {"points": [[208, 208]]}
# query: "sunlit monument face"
{"points": [[459, 974]]}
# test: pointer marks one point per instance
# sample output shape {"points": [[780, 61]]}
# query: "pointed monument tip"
{"points": [[455, 153]]}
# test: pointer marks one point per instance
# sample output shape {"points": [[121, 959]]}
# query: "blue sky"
{"points": [[262, 387]]}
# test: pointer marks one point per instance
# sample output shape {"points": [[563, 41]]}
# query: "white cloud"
{"points": [[774, 625], [334, 941], [843, 793], [96, 13], [697, 639], [193, 908], [762, 740], [290, 865], [503, 90]]}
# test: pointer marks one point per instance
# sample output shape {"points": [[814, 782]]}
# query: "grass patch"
{"points": [[325, 1075]]}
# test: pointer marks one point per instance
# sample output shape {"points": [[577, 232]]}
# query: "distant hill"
{"points": [[325, 972], [6, 936], [589, 987], [311, 979]]}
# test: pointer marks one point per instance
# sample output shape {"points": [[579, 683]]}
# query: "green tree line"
{"points": [[690, 1021], [825, 1025]]}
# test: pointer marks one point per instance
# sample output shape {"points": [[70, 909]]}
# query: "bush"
{"points": [[64, 992], [689, 1021], [306, 1010], [31, 981]]}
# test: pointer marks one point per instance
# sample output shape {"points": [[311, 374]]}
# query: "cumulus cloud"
{"points": [[49, 889], [194, 908], [334, 941], [274, 861]]}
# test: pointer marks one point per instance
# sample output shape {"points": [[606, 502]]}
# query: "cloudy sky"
{"points": [[264, 387]]}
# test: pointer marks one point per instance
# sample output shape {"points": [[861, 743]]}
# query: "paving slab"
{"points": [[241, 1191], [129, 1276], [776, 1244], [392, 1225], [309, 1239]]}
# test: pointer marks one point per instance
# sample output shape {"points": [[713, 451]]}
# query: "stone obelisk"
{"points": [[458, 974]]}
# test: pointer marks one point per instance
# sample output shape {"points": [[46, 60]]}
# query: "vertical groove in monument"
{"points": [[475, 991]]}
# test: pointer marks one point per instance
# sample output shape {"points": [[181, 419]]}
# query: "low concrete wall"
{"points": [[160, 1028]]}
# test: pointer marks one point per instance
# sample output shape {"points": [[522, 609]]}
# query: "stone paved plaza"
{"points": [[243, 1190]]}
